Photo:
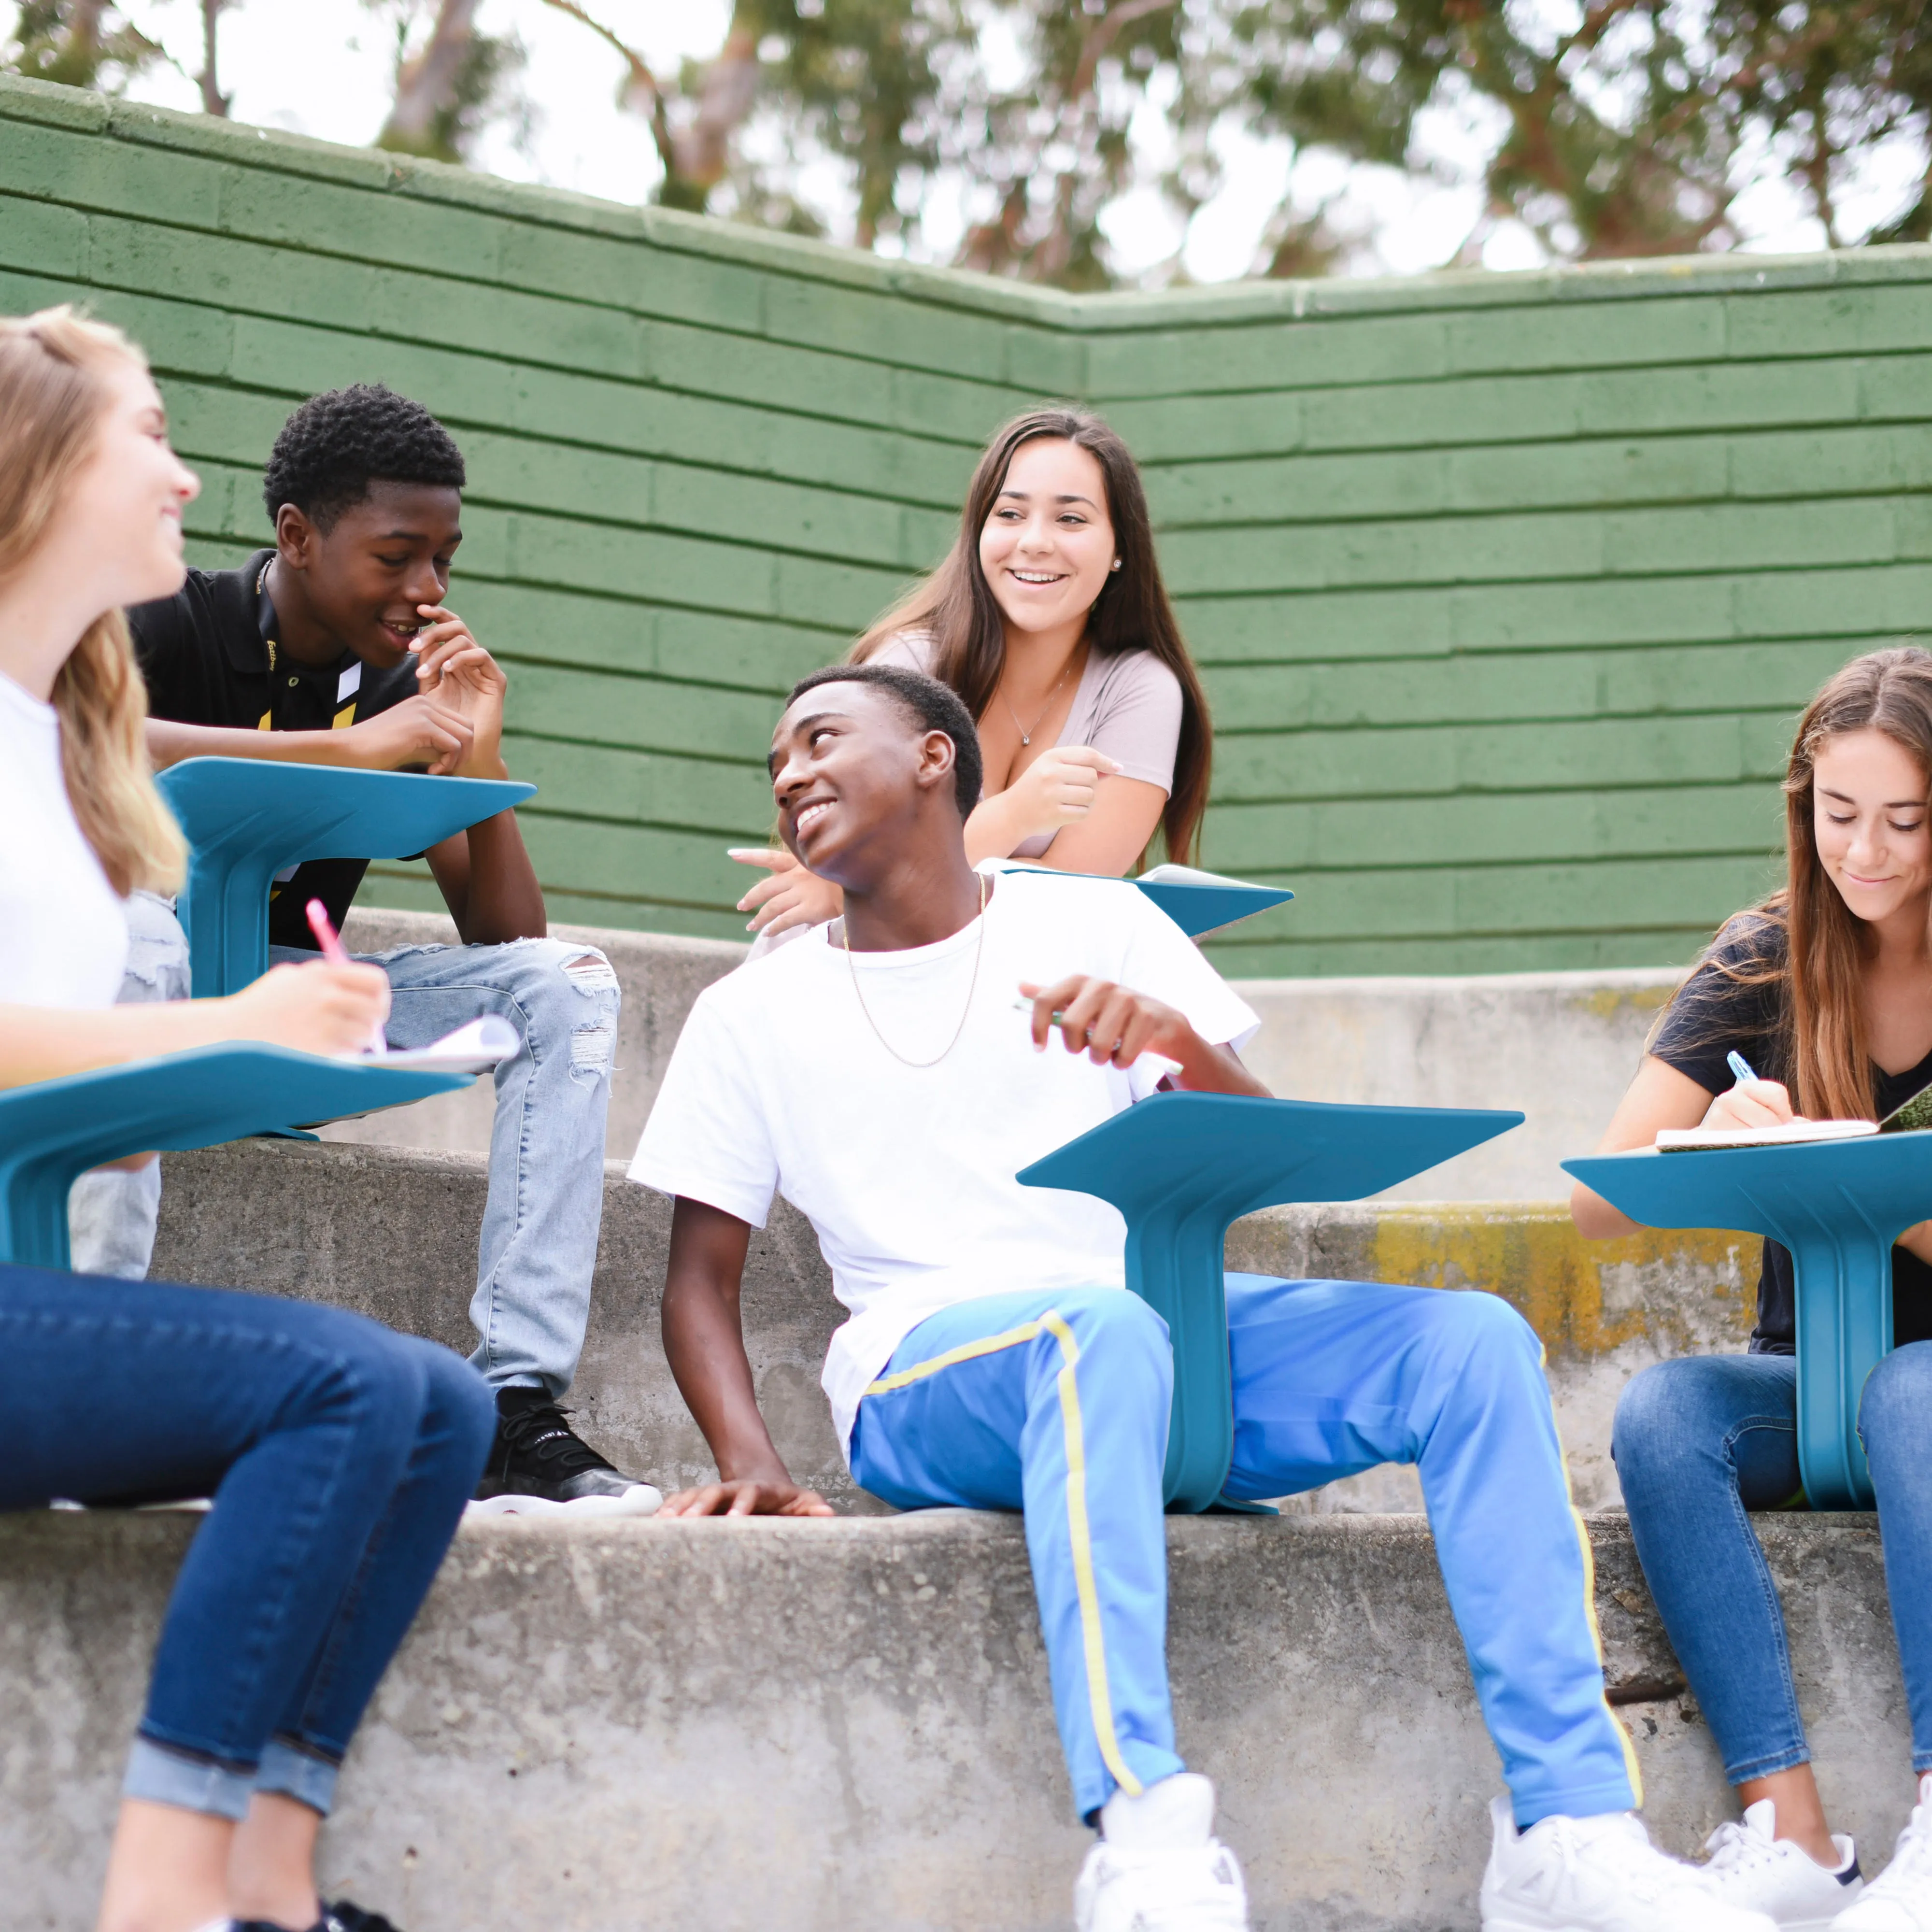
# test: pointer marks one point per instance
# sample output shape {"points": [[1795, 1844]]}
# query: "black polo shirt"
{"points": [[209, 655]]}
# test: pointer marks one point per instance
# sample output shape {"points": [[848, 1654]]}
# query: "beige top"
{"points": [[1127, 704]]}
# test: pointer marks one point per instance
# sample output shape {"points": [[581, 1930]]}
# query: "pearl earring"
{"points": [[1115, 565]]}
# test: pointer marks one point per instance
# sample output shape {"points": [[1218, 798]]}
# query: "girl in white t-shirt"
{"points": [[341, 1455], [1049, 618]]}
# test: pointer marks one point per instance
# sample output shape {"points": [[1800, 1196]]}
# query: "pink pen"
{"points": [[337, 954]]}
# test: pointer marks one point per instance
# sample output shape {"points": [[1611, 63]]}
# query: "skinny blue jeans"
{"points": [[1700, 1442], [1057, 1403], [339, 1457], [545, 1205]]}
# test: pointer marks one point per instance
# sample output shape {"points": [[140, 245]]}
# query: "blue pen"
{"points": [[1740, 1066]]}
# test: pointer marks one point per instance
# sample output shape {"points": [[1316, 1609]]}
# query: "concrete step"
{"points": [[1562, 1046], [392, 1232], [844, 1726]]}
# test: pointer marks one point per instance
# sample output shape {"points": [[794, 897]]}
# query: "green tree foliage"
{"points": [[1622, 133], [77, 43], [450, 83]]}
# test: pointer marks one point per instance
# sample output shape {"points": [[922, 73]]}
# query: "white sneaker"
{"points": [[1900, 1899], [1752, 1866], [1158, 1868], [1598, 1875]]}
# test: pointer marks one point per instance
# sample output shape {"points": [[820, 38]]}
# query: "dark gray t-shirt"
{"points": [[1713, 1016]]}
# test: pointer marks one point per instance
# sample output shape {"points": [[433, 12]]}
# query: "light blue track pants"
{"points": [[1057, 1404]]}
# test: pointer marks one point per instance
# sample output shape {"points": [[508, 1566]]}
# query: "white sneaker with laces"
{"points": [[1158, 1868], [1598, 1875], [1900, 1899], [1752, 1866]]}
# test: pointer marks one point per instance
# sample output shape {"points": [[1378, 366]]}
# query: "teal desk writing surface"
{"points": [[1838, 1206], [1196, 905], [1201, 907], [1182, 1167], [53, 1131], [246, 819]]}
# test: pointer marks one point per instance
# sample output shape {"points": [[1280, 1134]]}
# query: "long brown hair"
{"points": [[1824, 1045], [52, 396], [956, 608]]}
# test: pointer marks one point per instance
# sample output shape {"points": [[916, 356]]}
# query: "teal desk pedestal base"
{"points": [[52, 1132], [1838, 1206], [1182, 1167], [246, 819]]}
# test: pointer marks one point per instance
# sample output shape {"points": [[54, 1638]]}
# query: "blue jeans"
{"points": [[340, 1457], [1699, 1442], [546, 1199], [1057, 1403]]}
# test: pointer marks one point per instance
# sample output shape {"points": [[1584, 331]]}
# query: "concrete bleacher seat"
{"points": [[847, 1725]]}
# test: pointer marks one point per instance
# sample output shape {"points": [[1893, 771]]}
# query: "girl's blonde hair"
{"points": [[53, 394]]}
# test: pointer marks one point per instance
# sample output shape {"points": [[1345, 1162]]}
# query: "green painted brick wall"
{"points": [[1506, 588]]}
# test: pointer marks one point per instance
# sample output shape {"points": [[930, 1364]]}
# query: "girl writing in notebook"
{"points": [[1049, 618], [1825, 989], [339, 1456]]}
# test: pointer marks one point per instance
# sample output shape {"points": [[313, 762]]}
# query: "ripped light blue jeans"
{"points": [[111, 1213], [546, 1197]]}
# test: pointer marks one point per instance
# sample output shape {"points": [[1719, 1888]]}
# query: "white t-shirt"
{"points": [[63, 932], [780, 1082]]}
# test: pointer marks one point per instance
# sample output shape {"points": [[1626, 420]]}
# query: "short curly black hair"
{"points": [[338, 443], [932, 706]]}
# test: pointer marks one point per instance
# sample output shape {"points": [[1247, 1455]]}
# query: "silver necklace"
{"points": [[979, 948], [1026, 736]]}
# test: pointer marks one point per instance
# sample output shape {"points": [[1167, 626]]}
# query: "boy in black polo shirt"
{"points": [[334, 647]]}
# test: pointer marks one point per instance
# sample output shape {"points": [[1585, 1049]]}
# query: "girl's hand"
{"points": [[313, 1009], [791, 896], [1056, 789], [1751, 1103]]}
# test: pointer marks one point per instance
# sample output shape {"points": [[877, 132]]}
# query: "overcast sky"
{"points": [[324, 67]]}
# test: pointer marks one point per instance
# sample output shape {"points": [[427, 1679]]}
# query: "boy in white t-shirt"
{"points": [[876, 1073]]}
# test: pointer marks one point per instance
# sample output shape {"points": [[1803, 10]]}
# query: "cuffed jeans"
{"points": [[546, 1198], [111, 1212], [1700, 1442], [339, 1457], [1057, 1403]]}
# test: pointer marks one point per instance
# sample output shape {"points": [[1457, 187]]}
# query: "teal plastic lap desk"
{"points": [[52, 1132], [1198, 908], [1838, 1206], [1182, 1167], [246, 819]]}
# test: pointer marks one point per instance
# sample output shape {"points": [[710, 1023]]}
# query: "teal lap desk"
{"points": [[246, 819], [52, 1132], [1182, 1167], [1838, 1206]]}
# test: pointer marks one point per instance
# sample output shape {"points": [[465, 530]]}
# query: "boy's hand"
{"points": [[750, 1496], [419, 731], [1109, 1023], [462, 677]]}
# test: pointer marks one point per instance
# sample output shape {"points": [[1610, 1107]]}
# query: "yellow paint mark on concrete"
{"points": [[1606, 1002], [1684, 1289]]}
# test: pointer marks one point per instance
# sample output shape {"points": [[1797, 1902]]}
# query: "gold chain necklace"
{"points": [[1026, 736], [979, 950]]}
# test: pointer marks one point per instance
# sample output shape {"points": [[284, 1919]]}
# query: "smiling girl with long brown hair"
{"points": [[1049, 618]]}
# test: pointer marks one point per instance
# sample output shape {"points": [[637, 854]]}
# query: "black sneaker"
{"points": [[539, 1466], [342, 1916]]}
